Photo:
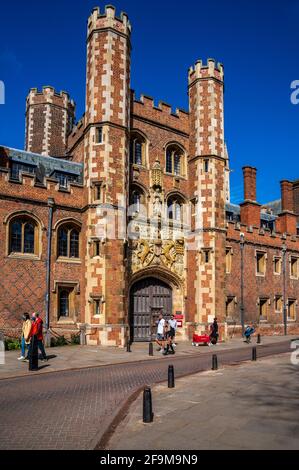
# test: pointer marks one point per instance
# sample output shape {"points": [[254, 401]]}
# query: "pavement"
{"points": [[254, 406], [77, 408], [77, 357]]}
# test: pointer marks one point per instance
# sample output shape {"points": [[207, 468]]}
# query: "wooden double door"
{"points": [[148, 298]]}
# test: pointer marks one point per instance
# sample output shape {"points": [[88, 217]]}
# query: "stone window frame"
{"points": [[265, 256], [230, 298], [279, 259], [72, 224], [137, 135], [228, 266], [182, 152], [97, 300], [39, 228], [295, 303], [138, 189], [74, 288], [296, 262], [97, 129], [206, 255], [278, 297], [266, 301]]}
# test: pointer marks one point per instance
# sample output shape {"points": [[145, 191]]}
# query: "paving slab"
{"points": [[252, 406]]}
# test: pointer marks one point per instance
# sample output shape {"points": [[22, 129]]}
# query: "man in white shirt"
{"points": [[160, 331], [173, 327]]}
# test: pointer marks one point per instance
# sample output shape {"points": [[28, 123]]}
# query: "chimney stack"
{"points": [[287, 220], [250, 209], [249, 175]]}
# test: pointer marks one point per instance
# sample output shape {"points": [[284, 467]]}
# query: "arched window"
{"points": [[68, 241], [23, 236], [138, 148], [136, 199], [175, 209], [175, 160]]}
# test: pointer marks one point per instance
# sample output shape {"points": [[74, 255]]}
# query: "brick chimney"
{"points": [[287, 220], [296, 198], [250, 209]]}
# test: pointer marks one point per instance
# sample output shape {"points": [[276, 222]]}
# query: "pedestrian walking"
{"points": [[173, 327], [214, 332], [160, 332], [25, 340], [37, 330], [249, 330], [168, 345]]}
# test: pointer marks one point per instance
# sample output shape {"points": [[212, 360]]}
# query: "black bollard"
{"points": [[150, 349], [214, 362], [128, 346], [253, 354], [148, 414], [33, 356], [170, 377], [258, 341]]}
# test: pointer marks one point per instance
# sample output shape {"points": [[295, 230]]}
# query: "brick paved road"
{"points": [[72, 409]]}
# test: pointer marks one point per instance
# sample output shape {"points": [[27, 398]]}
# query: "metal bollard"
{"points": [[82, 337], [258, 341], [170, 377], [150, 349], [129, 346], [214, 362], [253, 354], [148, 415], [33, 356]]}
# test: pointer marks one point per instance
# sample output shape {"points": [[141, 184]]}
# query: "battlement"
{"points": [[48, 94], [162, 113], [261, 236], [209, 70], [28, 188], [108, 19]]}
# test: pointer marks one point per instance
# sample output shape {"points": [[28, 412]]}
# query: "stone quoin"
{"points": [[127, 212]]}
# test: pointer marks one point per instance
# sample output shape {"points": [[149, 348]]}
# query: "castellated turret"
{"points": [[50, 117]]}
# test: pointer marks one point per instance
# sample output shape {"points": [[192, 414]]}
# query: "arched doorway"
{"points": [[148, 298]]}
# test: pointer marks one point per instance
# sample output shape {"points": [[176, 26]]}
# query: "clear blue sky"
{"points": [[44, 44]]}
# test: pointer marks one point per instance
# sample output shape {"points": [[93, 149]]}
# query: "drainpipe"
{"points": [[51, 204]]}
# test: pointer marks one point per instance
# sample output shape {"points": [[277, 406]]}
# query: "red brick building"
{"points": [[107, 222]]}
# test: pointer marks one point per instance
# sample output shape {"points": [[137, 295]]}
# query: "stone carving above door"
{"points": [[164, 253]]}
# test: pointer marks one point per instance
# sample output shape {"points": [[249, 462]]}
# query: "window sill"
{"points": [[181, 177], [260, 274], [68, 260], [97, 316], [291, 320], [24, 256], [294, 278], [66, 321], [277, 274]]}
